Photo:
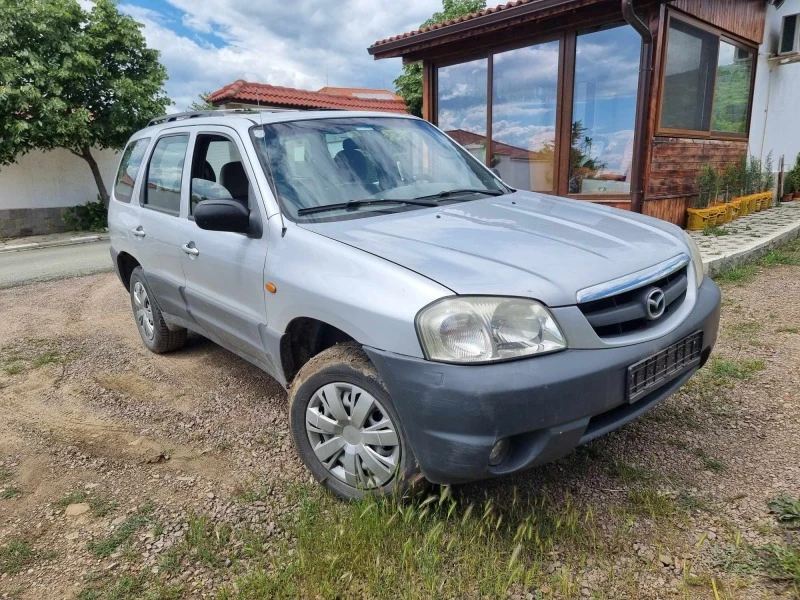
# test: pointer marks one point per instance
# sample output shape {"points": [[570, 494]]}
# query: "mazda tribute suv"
{"points": [[428, 321]]}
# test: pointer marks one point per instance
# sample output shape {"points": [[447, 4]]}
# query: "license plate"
{"points": [[656, 370]]}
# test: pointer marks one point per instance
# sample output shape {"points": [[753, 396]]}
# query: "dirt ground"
{"points": [[94, 428]]}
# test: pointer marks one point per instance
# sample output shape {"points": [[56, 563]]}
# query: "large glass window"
{"points": [[604, 111], [706, 81], [462, 104], [165, 173], [524, 98]]}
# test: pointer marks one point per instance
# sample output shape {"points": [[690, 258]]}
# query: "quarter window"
{"points": [[707, 81], [165, 173], [129, 169]]}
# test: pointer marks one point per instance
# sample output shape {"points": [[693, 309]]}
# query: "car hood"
{"points": [[519, 244]]}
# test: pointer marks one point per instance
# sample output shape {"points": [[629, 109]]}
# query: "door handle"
{"points": [[190, 250], [138, 232]]}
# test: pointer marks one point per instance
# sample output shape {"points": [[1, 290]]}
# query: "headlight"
{"points": [[474, 329], [696, 258]]}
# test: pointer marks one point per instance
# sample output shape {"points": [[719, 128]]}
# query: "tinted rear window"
{"points": [[129, 169]]}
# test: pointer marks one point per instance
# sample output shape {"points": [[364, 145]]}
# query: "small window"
{"points": [[790, 41], [165, 173], [217, 171], [129, 169]]}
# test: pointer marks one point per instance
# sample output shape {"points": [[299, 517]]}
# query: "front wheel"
{"points": [[346, 429]]}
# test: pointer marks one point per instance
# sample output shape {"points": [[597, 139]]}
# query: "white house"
{"points": [[775, 122]]}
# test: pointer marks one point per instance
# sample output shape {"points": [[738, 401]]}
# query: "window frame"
{"points": [[721, 36], [186, 165], [567, 38], [145, 158], [192, 154]]}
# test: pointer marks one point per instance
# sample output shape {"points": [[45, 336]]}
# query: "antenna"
{"points": [[264, 137]]}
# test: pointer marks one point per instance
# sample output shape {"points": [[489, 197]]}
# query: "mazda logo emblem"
{"points": [[655, 303]]}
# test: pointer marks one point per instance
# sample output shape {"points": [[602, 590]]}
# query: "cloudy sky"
{"points": [[298, 43]]}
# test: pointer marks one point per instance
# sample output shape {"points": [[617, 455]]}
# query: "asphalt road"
{"points": [[17, 268]]}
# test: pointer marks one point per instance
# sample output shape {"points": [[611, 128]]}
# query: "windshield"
{"points": [[373, 163]]}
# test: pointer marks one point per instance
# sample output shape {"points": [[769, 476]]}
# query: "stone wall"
{"points": [[19, 222]]}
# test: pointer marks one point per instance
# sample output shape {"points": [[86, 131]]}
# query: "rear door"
{"points": [[156, 231], [224, 270]]}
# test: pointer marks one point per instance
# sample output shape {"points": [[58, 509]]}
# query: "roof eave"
{"points": [[396, 47]]}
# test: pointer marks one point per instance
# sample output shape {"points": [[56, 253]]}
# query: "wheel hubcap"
{"points": [[352, 435], [143, 311]]}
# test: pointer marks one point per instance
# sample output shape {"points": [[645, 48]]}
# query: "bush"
{"points": [[92, 216], [707, 186]]}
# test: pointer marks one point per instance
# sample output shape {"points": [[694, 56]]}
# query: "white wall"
{"points": [[53, 179], [775, 122]]}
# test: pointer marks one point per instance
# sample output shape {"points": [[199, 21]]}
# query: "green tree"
{"points": [[201, 103], [74, 79], [409, 84]]}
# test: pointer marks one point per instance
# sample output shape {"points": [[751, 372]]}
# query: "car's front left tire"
{"points": [[346, 429], [149, 321]]}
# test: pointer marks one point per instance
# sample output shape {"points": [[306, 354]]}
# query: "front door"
{"points": [[224, 270]]}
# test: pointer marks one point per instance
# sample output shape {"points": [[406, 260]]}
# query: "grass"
{"points": [[788, 254], [130, 587], [715, 231], [650, 502], [99, 505], [791, 329], [723, 370], [787, 511], [745, 328], [738, 274], [10, 493], [5, 475], [628, 473], [421, 548], [16, 555], [106, 547], [709, 463]]}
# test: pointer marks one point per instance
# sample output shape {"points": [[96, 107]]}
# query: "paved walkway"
{"points": [[748, 237], [35, 242]]}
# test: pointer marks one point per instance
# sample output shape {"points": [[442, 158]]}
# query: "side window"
{"points": [[165, 173], [129, 169], [217, 171]]}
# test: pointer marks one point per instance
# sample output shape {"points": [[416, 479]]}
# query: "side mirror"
{"points": [[222, 215]]}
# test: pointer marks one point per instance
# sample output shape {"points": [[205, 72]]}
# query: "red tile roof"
{"points": [[273, 95], [469, 17]]}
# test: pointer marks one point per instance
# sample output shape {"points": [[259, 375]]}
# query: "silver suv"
{"points": [[428, 321]]}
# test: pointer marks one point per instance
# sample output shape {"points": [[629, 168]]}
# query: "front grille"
{"points": [[626, 312]]}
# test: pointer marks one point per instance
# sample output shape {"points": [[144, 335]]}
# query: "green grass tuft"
{"points": [[16, 555], [10, 493], [122, 534]]}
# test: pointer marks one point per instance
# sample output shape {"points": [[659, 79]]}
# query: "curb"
{"points": [[75, 241], [723, 263]]}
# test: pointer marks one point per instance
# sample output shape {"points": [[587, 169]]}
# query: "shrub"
{"points": [[708, 184], [92, 216]]}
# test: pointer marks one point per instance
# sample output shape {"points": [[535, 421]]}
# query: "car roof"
{"points": [[244, 119]]}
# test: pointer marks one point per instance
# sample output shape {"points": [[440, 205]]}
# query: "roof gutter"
{"points": [[640, 127]]}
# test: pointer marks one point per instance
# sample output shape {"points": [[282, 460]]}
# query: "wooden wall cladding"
{"points": [[744, 18], [669, 209], [676, 163]]}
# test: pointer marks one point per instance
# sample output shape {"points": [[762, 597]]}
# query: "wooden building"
{"points": [[612, 101]]}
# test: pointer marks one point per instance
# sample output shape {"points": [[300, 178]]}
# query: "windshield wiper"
{"points": [[448, 193], [353, 204]]}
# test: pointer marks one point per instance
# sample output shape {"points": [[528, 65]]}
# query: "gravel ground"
{"points": [[98, 430]]}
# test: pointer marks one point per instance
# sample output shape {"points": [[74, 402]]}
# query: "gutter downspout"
{"points": [[640, 128]]}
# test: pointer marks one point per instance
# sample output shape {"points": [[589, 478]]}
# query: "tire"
{"points": [[151, 325], [342, 378]]}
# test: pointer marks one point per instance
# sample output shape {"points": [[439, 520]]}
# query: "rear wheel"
{"points": [[346, 428], [151, 325]]}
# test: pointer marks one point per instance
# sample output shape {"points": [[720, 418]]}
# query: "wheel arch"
{"points": [[306, 337], [126, 263]]}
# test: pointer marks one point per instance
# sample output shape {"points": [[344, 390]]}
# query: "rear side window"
{"points": [[165, 173], [129, 169]]}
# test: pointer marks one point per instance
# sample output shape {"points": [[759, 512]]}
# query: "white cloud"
{"points": [[303, 43]]}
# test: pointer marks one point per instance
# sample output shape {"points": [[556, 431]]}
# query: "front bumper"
{"points": [[546, 405]]}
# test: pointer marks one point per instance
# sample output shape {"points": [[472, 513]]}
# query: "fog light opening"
{"points": [[499, 452]]}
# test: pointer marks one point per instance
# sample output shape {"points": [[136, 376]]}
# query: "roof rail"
{"points": [[193, 114]]}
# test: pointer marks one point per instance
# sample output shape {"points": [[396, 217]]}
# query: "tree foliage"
{"points": [[201, 103], [74, 79], [409, 84]]}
